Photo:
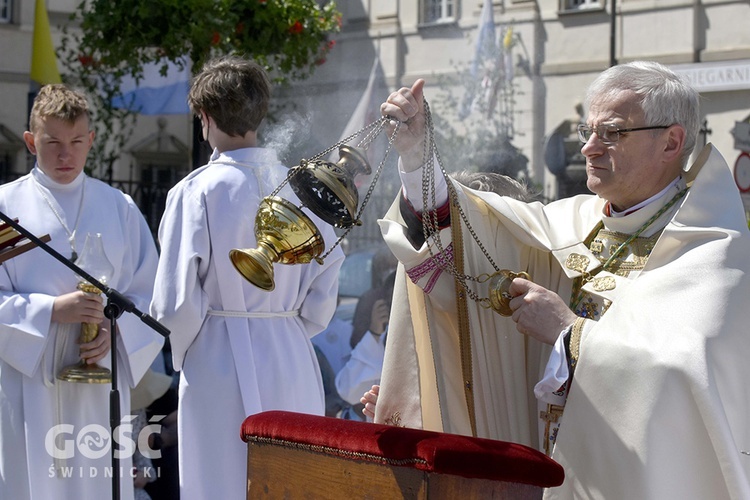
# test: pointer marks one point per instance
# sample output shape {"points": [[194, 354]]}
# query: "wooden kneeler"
{"points": [[294, 455]]}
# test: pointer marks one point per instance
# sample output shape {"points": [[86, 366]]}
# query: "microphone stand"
{"points": [[117, 303]]}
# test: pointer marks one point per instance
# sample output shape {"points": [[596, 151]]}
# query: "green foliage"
{"points": [[290, 36], [108, 39]]}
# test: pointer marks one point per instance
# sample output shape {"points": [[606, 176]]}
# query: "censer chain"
{"points": [[379, 124], [430, 225], [366, 199]]}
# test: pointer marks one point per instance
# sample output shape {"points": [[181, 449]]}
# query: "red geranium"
{"points": [[296, 28], [85, 60]]}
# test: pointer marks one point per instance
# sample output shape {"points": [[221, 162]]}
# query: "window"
{"points": [[6, 11], [438, 11], [581, 4]]}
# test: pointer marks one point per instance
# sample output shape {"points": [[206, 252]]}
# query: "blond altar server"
{"points": [[638, 293], [241, 350], [54, 441]]}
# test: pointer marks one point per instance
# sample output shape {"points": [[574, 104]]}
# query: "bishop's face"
{"points": [[633, 168], [60, 147]]}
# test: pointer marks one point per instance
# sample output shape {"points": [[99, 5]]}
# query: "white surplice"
{"points": [[33, 349], [659, 402], [241, 350]]}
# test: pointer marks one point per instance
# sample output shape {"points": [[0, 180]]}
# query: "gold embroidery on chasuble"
{"points": [[605, 245], [577, 262], [632, 257], [394, 419], [551, 418]]}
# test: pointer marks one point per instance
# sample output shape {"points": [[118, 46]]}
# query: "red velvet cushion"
{"points": [[429, 451]]}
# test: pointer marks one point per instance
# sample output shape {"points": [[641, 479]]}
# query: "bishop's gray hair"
{"points": [[665, 97]]}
